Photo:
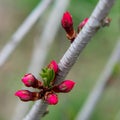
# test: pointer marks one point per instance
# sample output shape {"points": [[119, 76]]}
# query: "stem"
{"points": [[23, 30], [39, 107], [93, 25], [76, 48]]}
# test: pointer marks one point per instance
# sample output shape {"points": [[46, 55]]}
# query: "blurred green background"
{"points": [[85, 72]]}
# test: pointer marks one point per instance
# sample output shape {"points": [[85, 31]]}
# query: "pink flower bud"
{"points": [[67, 22], [65, 86], [81, 25], [24, 95], [51, 98], [53, 65], [29, 80]]}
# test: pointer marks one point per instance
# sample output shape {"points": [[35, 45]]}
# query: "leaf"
{"points": [[47, 75], [51, 75], [45, 81]]}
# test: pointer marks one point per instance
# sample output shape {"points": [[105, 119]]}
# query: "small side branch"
{"points": [[92, 26], [23, 30], [99, 87]]}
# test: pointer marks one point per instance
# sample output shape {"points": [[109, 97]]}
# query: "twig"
{"points": [[47, 38], [92, 26], [99, 87], [77, 46], [23, 30], [39, 109]]}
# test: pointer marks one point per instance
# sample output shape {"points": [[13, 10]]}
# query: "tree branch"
{"points": [[77, 46], [39, 109], [92, 26], [23, 30], [99, 87]]}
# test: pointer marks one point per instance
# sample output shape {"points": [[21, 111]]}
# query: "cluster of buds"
{"points": [[67, 24], [47, 90]]}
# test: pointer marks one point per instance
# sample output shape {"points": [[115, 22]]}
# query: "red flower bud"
{"points": [[53, 65], [65, 86], [24, 95], [81, 25], [67, 22], [30, 81], [51, 98]]}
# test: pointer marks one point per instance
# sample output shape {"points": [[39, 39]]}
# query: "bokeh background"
{"points": [[85, 72]]}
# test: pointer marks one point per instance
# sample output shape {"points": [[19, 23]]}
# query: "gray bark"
{"points": [[23, 30]]}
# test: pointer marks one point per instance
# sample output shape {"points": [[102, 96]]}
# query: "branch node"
{"points": [[106, 22]]}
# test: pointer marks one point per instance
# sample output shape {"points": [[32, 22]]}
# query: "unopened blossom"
{"points": [[67, 22], [82, 24], [65, 86], [53, 65], [51, 99], [29, 80], [24, 95]]}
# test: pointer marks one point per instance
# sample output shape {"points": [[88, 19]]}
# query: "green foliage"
{"points": [[48, 76]]}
